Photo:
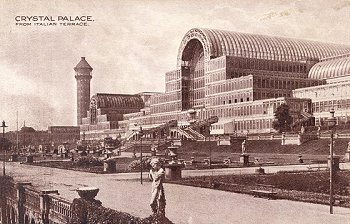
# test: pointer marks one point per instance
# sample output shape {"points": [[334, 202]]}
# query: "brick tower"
{"points": [[83, 77]]}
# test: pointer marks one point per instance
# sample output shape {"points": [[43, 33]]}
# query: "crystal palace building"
{"points": [[240, 78]]}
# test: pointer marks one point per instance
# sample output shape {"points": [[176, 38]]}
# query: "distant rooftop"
{"points": [[107, 100]]}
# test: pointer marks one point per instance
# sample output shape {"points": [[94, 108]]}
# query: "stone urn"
{"points": [[88, 193]]}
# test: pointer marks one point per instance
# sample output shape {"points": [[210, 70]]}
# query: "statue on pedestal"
{"points": [[154, 149], [243, 148], [157, 176]]}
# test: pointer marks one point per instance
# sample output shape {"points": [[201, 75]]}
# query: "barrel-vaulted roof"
{"points": [[118, 101], [331, 68], [217, 43]]}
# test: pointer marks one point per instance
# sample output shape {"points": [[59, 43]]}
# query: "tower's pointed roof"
{"points": [[82, 64]]}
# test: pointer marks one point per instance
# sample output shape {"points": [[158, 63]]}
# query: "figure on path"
{"points": [[157, 174], [243, 147]]}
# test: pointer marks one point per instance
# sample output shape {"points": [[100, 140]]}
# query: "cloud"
{"points": [[12, 83], [271, 15], [341, 5], [131, 44], [32, 109]]}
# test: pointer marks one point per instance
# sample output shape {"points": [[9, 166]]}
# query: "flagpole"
{"points": [[17, 149]]}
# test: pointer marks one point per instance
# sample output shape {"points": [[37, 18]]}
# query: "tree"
{"points": [[5, 144], [283, 120]]}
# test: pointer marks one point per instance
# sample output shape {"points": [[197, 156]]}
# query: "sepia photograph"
{"points": [[175, 111]]}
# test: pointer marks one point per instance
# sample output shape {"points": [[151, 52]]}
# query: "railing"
{"points": [[31, 199], [195, 133], [47, 207], [336, 135], [184, 133], [264, 137], [59, 209]]}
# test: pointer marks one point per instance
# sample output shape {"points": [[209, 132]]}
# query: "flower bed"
{"points": [[300, 186]]}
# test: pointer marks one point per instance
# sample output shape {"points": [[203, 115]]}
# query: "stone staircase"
{"points": [[195, 134]]}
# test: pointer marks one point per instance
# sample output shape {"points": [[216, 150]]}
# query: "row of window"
{"points": [[167, 107], [197, 94], [246, 125], [253, 124], [324, 91], [259, 64], [279, 83], [198, 83], [165, 118], [215, 76], [172, 86], [100, 126], [266, 94], [325, 106], [164, 98], [197, 73], [236, 97], [230, 85], [216, 63], [173, 75]]}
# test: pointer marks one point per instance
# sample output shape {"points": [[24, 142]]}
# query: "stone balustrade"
{"points": [[297, 139], [22, 203]]}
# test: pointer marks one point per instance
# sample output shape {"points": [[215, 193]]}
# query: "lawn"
{"points": [[301, 186]]}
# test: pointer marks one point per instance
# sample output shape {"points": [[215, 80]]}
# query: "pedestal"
{"points": [[335, 162], [173, 171], [29, 159], [110, 166], [14, 158], [244, 159], [347, 156]]}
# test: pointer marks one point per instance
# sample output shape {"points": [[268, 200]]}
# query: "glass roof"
{"points": [[217, 43], [330, 69]]}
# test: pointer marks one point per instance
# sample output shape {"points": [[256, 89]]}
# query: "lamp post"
{"points": [[3, 147], [331, 124], [141, 134]]}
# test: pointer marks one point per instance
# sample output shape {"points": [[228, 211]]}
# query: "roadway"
{"points": [[184, 204]]}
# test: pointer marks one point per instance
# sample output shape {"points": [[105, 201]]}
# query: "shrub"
{"points": [[135, 165], [88, 161]]}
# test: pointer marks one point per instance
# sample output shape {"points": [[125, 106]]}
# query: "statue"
{"points": [[302, 130], [154, 149], [156, 174], [348, 149], [243, 147]]}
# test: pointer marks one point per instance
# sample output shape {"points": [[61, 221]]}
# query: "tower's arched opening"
{"points": [[192, 66]]}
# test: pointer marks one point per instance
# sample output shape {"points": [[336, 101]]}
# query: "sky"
{"points": [[130, 44]]}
